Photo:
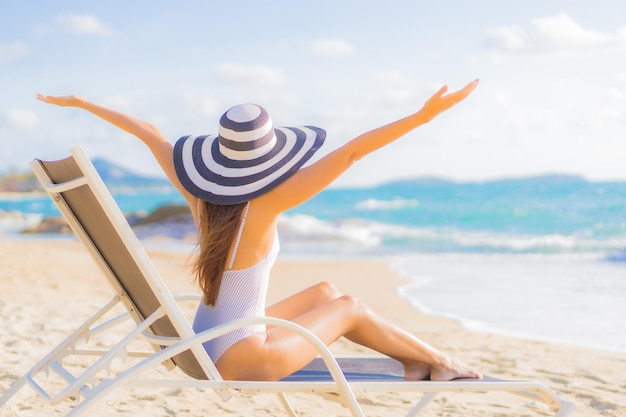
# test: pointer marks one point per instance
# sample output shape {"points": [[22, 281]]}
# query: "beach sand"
{"points": [[48, 287]]}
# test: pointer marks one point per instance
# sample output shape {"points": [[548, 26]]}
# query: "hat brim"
{"points": [[207, 174]]}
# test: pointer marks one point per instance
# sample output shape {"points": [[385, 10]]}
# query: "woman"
{"points": [[237, 183]]}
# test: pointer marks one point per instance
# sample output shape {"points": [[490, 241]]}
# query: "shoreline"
{"points": [[518, 295], [168, 246], [40, 276]]}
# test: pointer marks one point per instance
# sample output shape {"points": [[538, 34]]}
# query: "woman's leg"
{"points": [[324, 292], [280, 351], [307, 300]]}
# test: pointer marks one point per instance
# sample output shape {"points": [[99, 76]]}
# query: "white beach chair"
{"points": [[155, 316]]}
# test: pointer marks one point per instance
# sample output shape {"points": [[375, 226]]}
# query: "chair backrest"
{"points": [[95, 218]]}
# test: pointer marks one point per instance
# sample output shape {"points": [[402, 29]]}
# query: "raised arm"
{"points": [[160, 147], [311, 180]]}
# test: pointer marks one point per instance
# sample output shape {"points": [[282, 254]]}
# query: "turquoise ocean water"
{"points": [[541, 257]]}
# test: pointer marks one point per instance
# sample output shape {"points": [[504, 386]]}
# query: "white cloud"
{"points": [[558, 35], [22, 119], [508, 38], [562, 32], [12, 51], [617, 89], [331, 47], [399, 96], [255, 74], [394, 77], [83, 25]]}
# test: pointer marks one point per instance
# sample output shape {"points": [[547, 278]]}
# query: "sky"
{"points": [[551, 100]]}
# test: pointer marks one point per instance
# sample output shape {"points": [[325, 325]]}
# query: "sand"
{"points": [[48, 287]]}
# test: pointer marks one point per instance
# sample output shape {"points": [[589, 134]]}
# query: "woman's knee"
{"points": [[352, 304], [327, 291]]}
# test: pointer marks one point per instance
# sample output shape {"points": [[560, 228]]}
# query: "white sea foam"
{"points": [[397, 238], [395, 204], [307, 228], [13, 221]]}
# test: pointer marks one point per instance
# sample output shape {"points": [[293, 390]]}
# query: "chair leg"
{"points": [[566, 409], [422, 404], [81, 333], [287, 405], [13, 389]]}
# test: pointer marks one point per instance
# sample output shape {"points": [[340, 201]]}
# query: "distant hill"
{"points": [[547, 179], [19, 182], [543, 179], [417, 181], [117, 176]]}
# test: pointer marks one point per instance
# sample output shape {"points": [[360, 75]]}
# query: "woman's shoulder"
{"points": [[267, 207]]}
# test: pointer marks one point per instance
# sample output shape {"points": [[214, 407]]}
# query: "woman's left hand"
{"points": [[440, 101]]}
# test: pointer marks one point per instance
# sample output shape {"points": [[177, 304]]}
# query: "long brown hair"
{"points": [[218, 225]]}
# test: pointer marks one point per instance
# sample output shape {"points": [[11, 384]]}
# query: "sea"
{"points": [[539, 257]]}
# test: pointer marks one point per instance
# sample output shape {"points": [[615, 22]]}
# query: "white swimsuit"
{"points": [[242, 294]]}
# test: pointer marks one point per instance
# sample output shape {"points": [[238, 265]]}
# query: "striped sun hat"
{"points": [[247, 158]]}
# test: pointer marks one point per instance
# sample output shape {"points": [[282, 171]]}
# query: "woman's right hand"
{"points": [[72, 101]]}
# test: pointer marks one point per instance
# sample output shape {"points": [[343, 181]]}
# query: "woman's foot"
{"points": [[416, 372], [450, 369]]}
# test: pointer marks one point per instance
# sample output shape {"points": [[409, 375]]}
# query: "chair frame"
{"points": [[89, 387]]}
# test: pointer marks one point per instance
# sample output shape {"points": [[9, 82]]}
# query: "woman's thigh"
{"points": [[303, 301], [281, 351]]}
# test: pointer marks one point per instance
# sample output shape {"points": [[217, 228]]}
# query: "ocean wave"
{"points": [[303, 228], [395, 238]]}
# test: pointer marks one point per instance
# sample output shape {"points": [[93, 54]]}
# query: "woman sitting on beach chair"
{"points": [[237, 182]]}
